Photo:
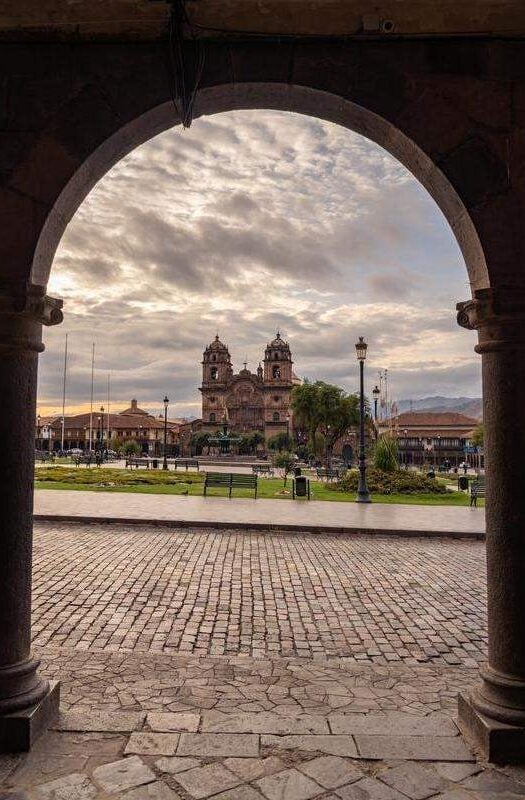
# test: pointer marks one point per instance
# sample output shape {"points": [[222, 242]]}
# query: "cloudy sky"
{"points": [[247, 223]]}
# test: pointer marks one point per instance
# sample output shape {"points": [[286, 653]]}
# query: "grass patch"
{"points": [[108, 477], [191, 483]]}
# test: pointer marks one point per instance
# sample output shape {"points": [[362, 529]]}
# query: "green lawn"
{"points": [[191, 483]]}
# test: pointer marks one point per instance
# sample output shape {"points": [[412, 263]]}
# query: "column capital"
{"points": [[498, 315], [23, 311], [32, 302]]}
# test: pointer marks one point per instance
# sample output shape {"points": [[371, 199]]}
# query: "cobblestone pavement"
{"points": [[367, 598], [141, 722], [164, 727]]}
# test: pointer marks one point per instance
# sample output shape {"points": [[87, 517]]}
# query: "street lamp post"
{"points": [[166, 402], [376, 391], [101, 418], [38, 432], [327, 447], [363, 495], [288, 431]]}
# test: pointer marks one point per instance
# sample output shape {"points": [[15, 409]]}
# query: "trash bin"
{"points": [[155, 463], [297, 471], [301, 486], [463, 483]]}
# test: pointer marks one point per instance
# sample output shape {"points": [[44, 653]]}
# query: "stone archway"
{"points": [[298, 99], [449, 111]]}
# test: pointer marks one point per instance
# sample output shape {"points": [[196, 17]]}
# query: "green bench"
{"points": [[328, 474], [230, 480], [477, 489], [263, 469]]}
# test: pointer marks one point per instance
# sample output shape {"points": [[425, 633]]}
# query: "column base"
{"points": [[495, 741], [18, 731]]}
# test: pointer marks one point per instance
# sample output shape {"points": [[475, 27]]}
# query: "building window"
{"points": [[276, 398], [276, 372], [214, 373], [212, 399], [212, 417], [276, 416], [214, 358]]}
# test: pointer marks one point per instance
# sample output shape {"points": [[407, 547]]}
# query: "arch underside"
{"points": [[271, 96]]}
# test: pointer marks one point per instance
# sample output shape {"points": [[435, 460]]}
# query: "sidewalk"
{"points": [[219, 512]]}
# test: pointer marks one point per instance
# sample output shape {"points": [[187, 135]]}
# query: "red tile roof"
{"points": [[412, 419]]}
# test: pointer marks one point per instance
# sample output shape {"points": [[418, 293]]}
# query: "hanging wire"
{"points": [[183, 89]]}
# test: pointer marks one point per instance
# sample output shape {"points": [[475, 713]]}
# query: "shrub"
{"points": [[386, 453], [284, 462], [398, 482]]}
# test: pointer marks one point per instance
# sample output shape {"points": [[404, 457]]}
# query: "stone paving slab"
{"points": [[395, 723], [253, 766], [218, 744], [144, 589], [268, 514], [100, 721], [415, 748], [126, 773], [263, 722], [335, 744], [161, 744], [170, 721]]}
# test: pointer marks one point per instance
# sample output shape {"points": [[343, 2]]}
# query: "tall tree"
{"points": [[478, 435], [324, 408]]}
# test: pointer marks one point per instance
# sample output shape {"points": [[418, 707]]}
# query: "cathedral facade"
{"points": [[248, 401]]}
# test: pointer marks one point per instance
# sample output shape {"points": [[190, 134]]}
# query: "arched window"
{"points": [[276, 416], [276, 372], [212, 417], [214, 357], [214, 373]]}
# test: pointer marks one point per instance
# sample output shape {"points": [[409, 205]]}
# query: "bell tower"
{"points": [[216, 364], [278, 362]]}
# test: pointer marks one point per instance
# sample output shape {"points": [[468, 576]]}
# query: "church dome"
{"points": [[279, 343], [217, 345]]}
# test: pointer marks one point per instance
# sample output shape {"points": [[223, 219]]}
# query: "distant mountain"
{"points": [[470, 406]]}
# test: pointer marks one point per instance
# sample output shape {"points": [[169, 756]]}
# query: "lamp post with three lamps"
{"points": [[363, 495]]}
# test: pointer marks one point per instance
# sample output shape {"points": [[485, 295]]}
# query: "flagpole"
{"points": [[109, 378], [64, 396], [91, 405]]}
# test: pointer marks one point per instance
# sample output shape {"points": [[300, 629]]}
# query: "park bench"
{"points": [[188, 463], [84, 460], [138, 462], [477, 489], [262, 469], [230, 480], [328, 474]]}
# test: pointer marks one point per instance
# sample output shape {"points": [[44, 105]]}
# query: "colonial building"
{"points": [[432, 438], [100, 428], [248, 401]]}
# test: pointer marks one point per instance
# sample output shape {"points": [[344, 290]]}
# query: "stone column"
{"points": [[26, 700], [492, 716]]}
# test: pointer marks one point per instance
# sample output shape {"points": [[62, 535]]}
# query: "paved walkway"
{"points": [[278, 514], [186, 728], [393, 629], [367, 599]]}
